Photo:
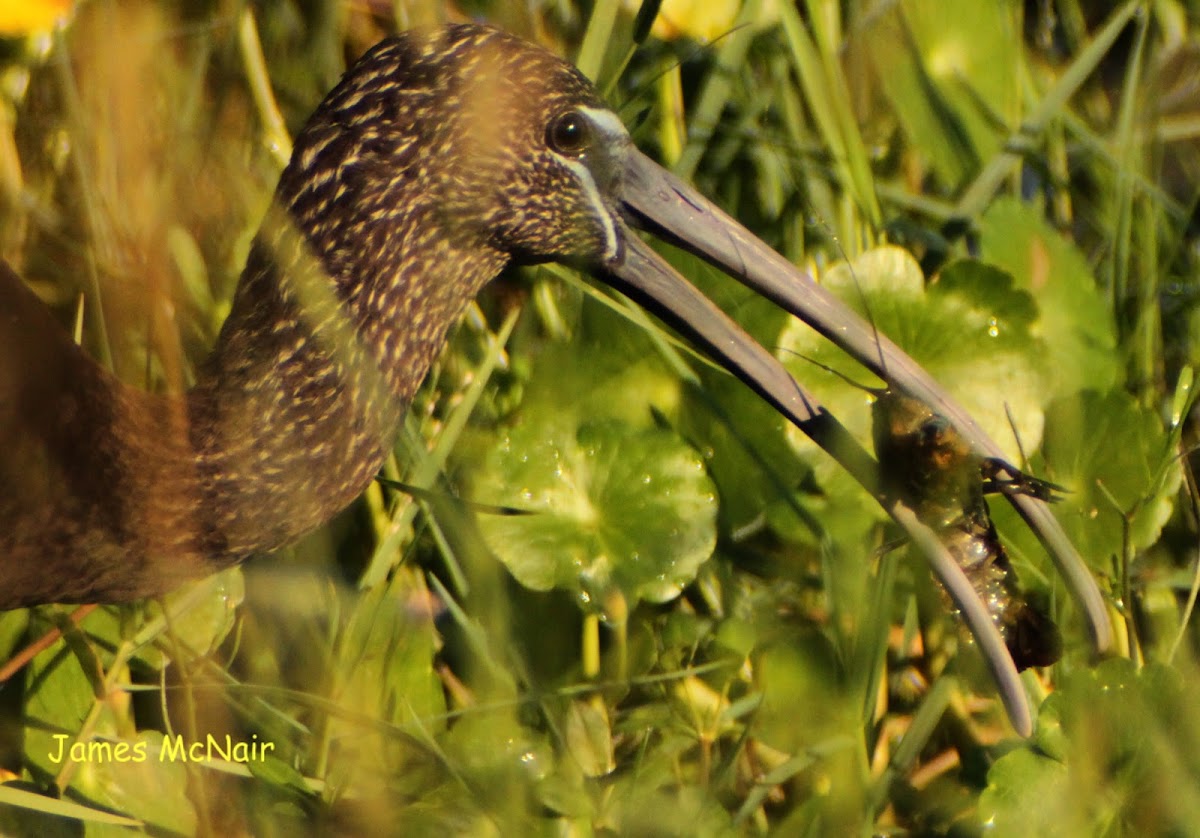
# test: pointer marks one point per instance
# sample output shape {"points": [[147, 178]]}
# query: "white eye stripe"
{"points": [[611, 139], [588, 184]]}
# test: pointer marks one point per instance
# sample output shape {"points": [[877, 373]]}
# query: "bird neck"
{"points": [[297, 406], [125, 494]]}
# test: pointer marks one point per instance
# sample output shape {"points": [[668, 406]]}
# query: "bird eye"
{"points": [[568, 134]]}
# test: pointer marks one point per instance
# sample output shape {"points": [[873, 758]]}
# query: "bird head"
{"points": [[467, 133]]}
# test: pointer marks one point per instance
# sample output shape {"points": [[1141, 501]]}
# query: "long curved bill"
{"points": [[644, 275], [660, 203]]}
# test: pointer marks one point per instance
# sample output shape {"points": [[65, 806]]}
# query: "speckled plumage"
{"points": [[421, 175]]}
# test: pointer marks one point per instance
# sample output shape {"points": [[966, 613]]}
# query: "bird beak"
{"points": [[660, 203]]}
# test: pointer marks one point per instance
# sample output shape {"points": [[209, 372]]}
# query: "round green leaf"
{"points": [[611, 370], [1075, 321], [614, 509], [1122, 759], [1027, 794], [970, 330], [1113, 457]]}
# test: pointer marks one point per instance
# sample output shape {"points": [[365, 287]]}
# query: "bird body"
{"points": [[373, 246], [442, 156]]}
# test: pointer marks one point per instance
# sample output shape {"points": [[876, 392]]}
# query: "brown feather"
{"points": [[420, 176]]}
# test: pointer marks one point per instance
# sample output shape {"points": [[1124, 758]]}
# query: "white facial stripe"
{"points": [[612, 138], [588, 183]]}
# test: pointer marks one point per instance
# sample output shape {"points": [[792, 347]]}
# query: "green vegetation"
{"points": [[627, 598]]}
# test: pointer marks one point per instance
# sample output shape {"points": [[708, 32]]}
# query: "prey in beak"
{"points": [[651, 199], [441, 157]]}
